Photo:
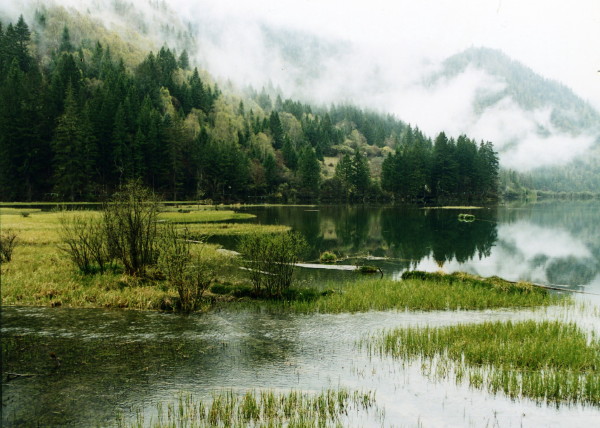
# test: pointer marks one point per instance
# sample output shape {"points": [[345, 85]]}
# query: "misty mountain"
{"points": [[529, 90]]}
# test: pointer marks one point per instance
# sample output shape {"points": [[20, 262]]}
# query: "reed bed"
{"points": [[548, 361], [259, 409]]}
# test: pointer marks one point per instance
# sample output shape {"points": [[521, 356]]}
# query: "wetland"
{"points": [[81, 365]]}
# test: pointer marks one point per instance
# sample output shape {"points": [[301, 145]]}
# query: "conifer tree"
{"points": [[72, 168]]}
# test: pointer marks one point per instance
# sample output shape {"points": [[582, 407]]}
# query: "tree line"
{"points": [[78, 125], [445, 170]]}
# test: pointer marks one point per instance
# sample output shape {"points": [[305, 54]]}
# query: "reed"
{"points": [[260, 408], [548, 361]]}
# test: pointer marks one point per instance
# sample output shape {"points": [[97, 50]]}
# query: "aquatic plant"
{"points": [[367, 269], [328, 257], [260, 408], [548, 361]]}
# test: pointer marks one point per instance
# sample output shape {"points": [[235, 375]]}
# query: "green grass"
{"points": [[547, 361], [374, 294], [41, 274], [233, 229], [204, 216], [259, 408]]}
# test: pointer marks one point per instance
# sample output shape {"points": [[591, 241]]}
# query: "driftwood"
{"points": [[13, 376]]}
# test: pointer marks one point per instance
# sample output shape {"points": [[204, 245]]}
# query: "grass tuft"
{"points": [[548, 361], [260, 408]]}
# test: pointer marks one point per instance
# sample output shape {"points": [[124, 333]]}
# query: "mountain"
{"points": [[529, 90], [540, 127]]}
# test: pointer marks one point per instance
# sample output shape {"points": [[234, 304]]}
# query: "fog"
{"points": [[378, 54]]}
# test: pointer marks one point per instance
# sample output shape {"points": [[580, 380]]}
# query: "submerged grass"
{"points": [[259, 408], [548, 361]]}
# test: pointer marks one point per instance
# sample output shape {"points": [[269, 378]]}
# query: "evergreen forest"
{"points": [[79, 122]]}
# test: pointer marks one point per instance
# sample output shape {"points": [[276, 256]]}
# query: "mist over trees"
{"points": [[81, 123]]}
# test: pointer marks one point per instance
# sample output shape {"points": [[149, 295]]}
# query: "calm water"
{"points": [[119, 361], [549, 243]]}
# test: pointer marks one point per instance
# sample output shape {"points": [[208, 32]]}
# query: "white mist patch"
{"points": [[446, 105], [526, 139]]}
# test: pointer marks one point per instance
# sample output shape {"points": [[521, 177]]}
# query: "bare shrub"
{"points": [[130, 220], [186, 266]]}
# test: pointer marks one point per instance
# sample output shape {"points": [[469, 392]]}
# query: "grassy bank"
{"points": [[260, 408], [41, 274], [547, 361]]}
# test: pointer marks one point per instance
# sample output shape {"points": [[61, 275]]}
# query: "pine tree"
{"points": [[309, 172], [65, 42], [72, 170], [276, 130], [290, 156]]}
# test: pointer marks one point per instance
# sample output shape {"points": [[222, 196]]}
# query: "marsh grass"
{"points": [[233, 229], [204, 216], [260, 408], [548, 361], [374, 294]]}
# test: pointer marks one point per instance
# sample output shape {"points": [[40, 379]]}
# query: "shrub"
{"points": [[130, 220], [271, 260], [328, 257], [127, 232], [8, 241], [86, 243], [190, 272]]}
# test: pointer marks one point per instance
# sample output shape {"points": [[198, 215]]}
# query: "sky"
{"points": [[388, 46]]}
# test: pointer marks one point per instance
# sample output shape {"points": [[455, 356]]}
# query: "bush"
{"points": [[130, 222], [271, 260], [127, 232], [328, 257], [191, 272], [8, 241], [86, 242]]}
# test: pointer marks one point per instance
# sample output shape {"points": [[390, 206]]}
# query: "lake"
{"points": [[548, 243], [119, 362]]}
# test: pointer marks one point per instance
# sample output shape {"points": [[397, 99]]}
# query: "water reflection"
{"points": [[554, 243]]}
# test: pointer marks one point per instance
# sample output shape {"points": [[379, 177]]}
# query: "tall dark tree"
{"points": [[276, 130], [71, 145], [309, 172]]}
